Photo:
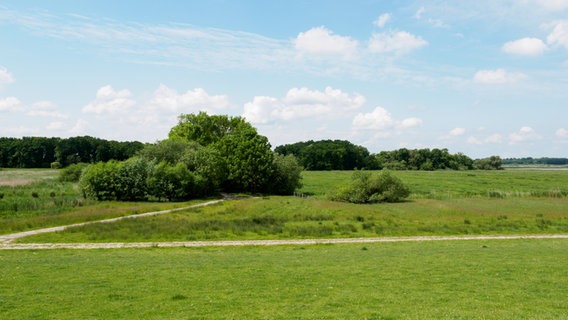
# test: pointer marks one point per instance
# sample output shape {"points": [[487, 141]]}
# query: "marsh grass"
{"points": [[288, 217], [457, 184], [498, 279], [35, 198]]}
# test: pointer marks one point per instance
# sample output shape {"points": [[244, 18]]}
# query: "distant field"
{"points": [[504, 279], [457, 184]]}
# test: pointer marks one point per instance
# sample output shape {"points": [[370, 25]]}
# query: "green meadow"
{"points": [[498, 279], [473, 279], [441, 203]]}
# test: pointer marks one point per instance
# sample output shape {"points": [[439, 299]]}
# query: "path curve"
{"points": [[6, 240]]}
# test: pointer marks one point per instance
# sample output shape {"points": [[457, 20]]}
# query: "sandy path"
{"points": [[189, 244], [6, 240]]}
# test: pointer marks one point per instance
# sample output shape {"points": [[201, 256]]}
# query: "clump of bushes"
{"points": [[372, 187], [72, 173]]}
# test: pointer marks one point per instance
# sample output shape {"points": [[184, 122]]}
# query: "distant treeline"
{"points": [[40, 152], [343, 155], [535, 161]]}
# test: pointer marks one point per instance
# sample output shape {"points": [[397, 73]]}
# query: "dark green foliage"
{"points": [[40, 152], [72, 173], [420, 159], [172, 182], [535, 161], [372, 187], [241, 157], [491, 163], [327, 154]]}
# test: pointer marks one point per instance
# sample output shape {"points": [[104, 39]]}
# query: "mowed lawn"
{"points": [[498, 279]]}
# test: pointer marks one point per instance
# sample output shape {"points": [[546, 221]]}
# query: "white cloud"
{"points": [[525, 47], [474, 140], [524, 134], [302, 103], [410, 123], [378, 119], [382, 20], [191, 101], [456, 132], [555, 5], [45, 109], [321, 41], [419, 13], [81, 127], [494, 138], [109, 101], [562, 133], [498, 76], [559, 34], [5, 76], [398, 42], [381, 122], [10, 104], [57, 125]]}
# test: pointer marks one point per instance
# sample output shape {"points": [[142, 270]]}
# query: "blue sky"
{"points": [[479, 77]]}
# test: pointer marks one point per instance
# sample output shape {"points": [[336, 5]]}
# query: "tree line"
{"points": [[343, 155], [535, 161], [43, 152]]}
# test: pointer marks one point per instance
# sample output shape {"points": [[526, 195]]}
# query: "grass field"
{"points": [[442, 203], [504, 279]]}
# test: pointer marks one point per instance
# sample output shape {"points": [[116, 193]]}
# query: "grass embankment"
{"points": [[34, 198], [505, 279], [442, 203]]}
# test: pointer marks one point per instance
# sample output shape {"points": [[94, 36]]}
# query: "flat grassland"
{"points": [[498, 279], [474, 279], [441, 203]]}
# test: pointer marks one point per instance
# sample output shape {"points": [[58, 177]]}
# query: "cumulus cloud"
{"points": [[397, 42], [554, 5], [301, 103], [456, 132], [10, 104], [562, 133], [381, 121], [190, 101], [80, 128], [5, 76], [382, 20], [45, 109], [321, 41], [493, 139], [524, 134], [498, 76], [110, 101], [559, 34], [525, 47]]}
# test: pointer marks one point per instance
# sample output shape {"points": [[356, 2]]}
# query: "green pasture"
{"points": [[498, 279]]}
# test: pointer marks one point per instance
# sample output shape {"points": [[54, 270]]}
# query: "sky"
{"points": [[487, 77]]}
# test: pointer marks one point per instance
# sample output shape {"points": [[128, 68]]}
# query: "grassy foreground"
{"points": [[504, 279]]}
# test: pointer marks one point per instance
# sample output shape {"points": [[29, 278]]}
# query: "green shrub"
{"points": [[72, 173], [368, 187]]}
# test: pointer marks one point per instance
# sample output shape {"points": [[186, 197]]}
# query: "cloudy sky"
{"points": [[479, 77]]}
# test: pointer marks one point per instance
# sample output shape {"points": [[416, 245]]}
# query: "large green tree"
{"points": [[245, 157]]}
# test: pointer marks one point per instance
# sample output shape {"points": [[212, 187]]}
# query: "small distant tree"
{"points": [[491, 163], [368, 187]]}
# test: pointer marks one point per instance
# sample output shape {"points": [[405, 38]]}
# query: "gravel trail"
{"points": [[6, 241]]}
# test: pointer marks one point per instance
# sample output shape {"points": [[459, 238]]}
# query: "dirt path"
{"points": [[6, 240], [189, 244]]}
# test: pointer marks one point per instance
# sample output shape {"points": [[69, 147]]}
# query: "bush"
{"points": [[72, 173], [367, 187], [286, 176]]}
